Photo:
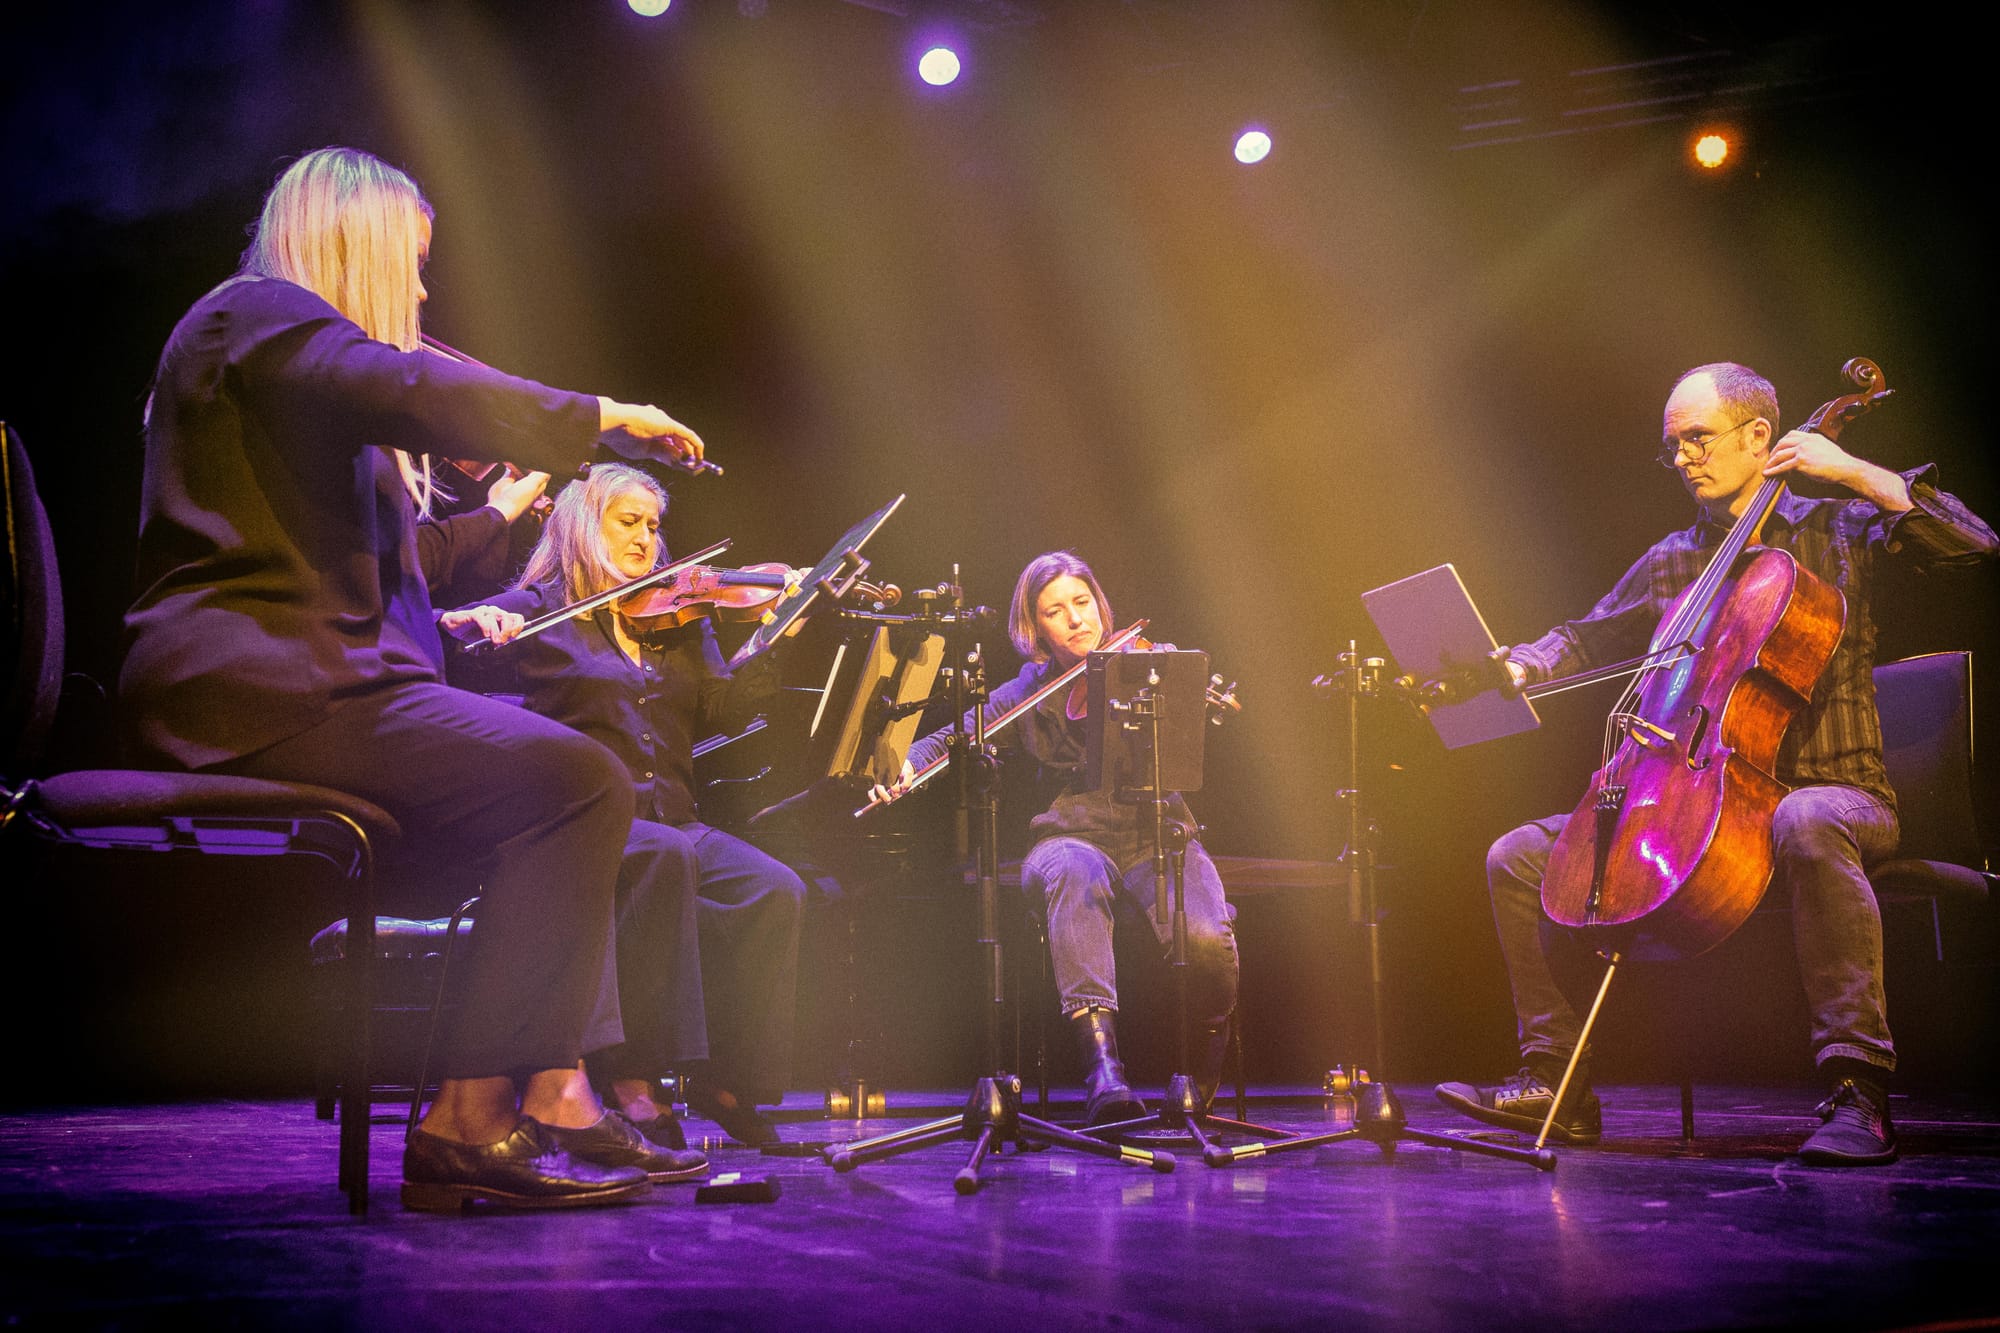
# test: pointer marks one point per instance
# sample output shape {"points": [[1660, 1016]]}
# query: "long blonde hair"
{"points": [[348, 226], [570, 559], [1022, 625]]}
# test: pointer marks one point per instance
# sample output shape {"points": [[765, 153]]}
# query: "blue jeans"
{"points": [[1822, 837], [1078, 890]]}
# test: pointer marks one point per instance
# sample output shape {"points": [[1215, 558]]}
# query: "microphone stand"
{"points": [[992, 1116], [1182, 1114], [1378, 1115]]}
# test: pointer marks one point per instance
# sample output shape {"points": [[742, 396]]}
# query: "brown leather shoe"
{"points": [[614, 1141], [527, 1169]]}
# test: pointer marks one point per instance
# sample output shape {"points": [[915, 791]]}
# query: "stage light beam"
{"points": [[938, 66], [1252, 147]]}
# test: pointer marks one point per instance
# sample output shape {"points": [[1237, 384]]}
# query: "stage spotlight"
{"points": [[1711, 150], [938, 66], [1252, 146], [651, 9]]}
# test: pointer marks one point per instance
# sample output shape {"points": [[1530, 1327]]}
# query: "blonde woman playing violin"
{"points": [[282, 630]]}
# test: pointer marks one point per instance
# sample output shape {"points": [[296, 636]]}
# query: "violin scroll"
{"points": [[875, 596], [1222, 700]]}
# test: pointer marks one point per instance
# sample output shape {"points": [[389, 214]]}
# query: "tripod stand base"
{"points": [[1181, 1118], [992, 1116], [1379, 1119]]}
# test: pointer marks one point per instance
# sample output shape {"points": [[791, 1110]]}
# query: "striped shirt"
{"points": [[1837, 737]]}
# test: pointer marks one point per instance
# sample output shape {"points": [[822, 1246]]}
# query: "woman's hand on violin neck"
{"points": [[642, 431], [473, 623], [513, 495]]}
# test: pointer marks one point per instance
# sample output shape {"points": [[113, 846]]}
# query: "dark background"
{"points": [[1045, 304]]}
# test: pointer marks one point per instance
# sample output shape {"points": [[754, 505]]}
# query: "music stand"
{"points": [[1435, 633], [1432, 618], [886, 708], [833, 576], [1146, 737], [887, 685], [992, 1116]]}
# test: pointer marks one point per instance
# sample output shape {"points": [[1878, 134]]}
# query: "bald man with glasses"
{"points": [[1720, 436]]}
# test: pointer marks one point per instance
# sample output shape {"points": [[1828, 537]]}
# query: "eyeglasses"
{"points": [[1697, 448]]}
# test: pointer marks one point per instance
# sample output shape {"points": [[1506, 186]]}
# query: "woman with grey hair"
{"points": [[708, 926]]}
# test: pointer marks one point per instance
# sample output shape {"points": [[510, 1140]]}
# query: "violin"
{"points": [[705, 591], [731, 595], [609, 596], [475, 472], [1221, 701]]}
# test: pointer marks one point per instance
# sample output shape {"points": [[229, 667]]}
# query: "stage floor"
{"points": [[224, 1214]]}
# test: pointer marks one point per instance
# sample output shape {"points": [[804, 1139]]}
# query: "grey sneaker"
{"points": [[1854, 1129], [1523, 1101]]}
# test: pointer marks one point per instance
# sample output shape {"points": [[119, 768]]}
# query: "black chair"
{"points": [[189, 815], [1927, 746], [413, 960]]}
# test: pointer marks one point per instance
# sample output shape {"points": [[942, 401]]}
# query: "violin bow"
{"points": [[1048, 687], [589, 604], [438, 347]]}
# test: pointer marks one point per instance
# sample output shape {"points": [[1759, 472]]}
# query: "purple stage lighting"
{"points": [[938, 66]]}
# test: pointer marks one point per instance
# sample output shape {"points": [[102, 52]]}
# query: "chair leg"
{"points": [[1042, 1017], [355, 1092]]}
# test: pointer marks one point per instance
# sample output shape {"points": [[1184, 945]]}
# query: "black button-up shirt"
{"points": [[649, 713]]}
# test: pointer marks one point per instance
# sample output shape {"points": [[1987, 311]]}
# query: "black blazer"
{"points": [[278, 567]]}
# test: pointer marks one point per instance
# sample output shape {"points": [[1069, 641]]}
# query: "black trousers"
{"points": [[544, 808], [707, 959]]}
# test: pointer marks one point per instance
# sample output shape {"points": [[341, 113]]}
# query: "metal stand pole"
{"points": [[1378, 1114]]}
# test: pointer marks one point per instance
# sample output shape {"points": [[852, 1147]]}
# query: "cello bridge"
{"points": [[1643, 732]]}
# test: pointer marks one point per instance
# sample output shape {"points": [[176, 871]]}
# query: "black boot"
{"points": [[1110, 1096]]}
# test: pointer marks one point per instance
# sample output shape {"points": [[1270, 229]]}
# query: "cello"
{"points": [[1670, 849]]}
